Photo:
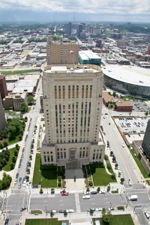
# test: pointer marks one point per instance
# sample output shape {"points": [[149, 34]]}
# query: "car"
{"points": [[20, 179], [87, 192], [86, 196], [96, 210], [106, 113], [53, 210], [61, 211], [17, 174], [6, 221], [69, 210], [109, 123], [19, 186], [93, 192], [130, 183], [16, 181], [110, 209], [102, 192], [100, 209], [104, 117], [123, 145], [91, 209], [64, 193], [22, 209], [147, 215]]}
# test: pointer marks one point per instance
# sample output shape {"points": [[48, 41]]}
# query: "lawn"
{"points": [[16, 139], [43, 222], [118, 220], [10, 72], [101, 177], [46, 177], [139, 164], [7, 167]]}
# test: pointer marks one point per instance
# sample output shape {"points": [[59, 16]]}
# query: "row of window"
{"points": [[48, 158], [72, 91]]}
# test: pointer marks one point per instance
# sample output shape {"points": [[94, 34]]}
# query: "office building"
{"points": [[72, 102], [80, 29], [146, 141], [68, 29], [148, 50], [3, 87], [2, 116], [62, 52]]}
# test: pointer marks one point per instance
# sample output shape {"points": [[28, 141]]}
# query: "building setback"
{"points": [[72, 102], [62, 52]]}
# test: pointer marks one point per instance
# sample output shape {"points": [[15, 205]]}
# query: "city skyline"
{"points": [[122, 11]]}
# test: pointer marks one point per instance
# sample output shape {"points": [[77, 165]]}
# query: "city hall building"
{"points": [[72, 103]]}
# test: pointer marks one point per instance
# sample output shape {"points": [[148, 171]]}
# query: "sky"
{"points": [[75, 10]]}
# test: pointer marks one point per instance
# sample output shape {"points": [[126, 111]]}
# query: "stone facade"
{"points": [[72, 102], [2, 116]]}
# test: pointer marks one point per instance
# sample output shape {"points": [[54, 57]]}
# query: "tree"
{"points": [[107, 217], [51, 213], [1, 145], [12, 166], [17, 147], [13, 159], [65, 213], [113, 176], [30, 157], [111, 153], [146, 113], [91, 211], [114, 93], [52, 191], [98, 189], [23, 107], [41, 191], [116, 166], [122, 180], [30, 100], [5, 143]]}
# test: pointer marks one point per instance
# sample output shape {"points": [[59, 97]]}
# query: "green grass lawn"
{"points": [[118, 220], [16, 139], [43, 222], [101, 177], [16, 72], [7, 167], [45, 177], [139, 165], [110, 170]]}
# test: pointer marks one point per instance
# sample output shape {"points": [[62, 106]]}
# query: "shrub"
{"points": [[5, 143], [90, 183], [59, 178], [12, 166], [15, 152], [41, 191], [51, 213], [52, 191], [27, 178], [108, 166], [113, 176], [98, 189], [65, 213], [106, 157], [59, 184], [1, 145], [13, 159]]}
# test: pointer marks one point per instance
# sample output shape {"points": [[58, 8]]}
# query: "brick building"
{"points": [[3, 87]]}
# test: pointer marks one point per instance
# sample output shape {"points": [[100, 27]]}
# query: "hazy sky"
{"points": [[80, 10]]}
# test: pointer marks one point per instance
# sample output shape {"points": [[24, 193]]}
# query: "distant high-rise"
{"points": [[80, 29], [62, 52], [146, 141], [148, 50], [2, 116], [3, 87], [68, 29]]}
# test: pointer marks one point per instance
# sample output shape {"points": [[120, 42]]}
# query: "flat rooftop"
{"points": [[128, 74], [73, 69]]}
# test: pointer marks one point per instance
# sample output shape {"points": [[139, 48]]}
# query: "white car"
{"points": [[87, 192], [100, 209], [54, 211], [102, 192], [147, 215], [123, 145], [69, 210], [130, 183], [86, 196]]}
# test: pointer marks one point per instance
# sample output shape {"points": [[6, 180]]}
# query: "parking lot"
{"points": [[132, 125], [139, 106]]}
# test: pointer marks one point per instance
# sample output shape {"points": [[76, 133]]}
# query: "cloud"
{"points": [[91, 9]]}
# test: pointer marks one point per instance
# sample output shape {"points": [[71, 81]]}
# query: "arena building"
{"points": [[128, 80]]}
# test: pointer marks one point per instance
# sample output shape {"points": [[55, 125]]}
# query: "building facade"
{"points": [[68, 29], [72, 102], [146, 141], [2, 116], [3, 87], [62, 52]]}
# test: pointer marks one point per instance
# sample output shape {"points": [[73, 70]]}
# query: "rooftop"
{"points": [[128, 74]]}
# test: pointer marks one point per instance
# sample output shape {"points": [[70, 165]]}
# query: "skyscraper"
{"points": [[72, 102], [58, 52], [68, 29], [3, 87], [80, 29]]}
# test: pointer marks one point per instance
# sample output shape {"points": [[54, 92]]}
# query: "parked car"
{"points": [[86, 196], [6, 221], [93, 192], [91, 209], [64, 193], [61, 211], [22, 209], [69, 210], [130, 183]]}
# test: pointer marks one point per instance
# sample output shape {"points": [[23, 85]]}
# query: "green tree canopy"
{"points": [[23, 107]]}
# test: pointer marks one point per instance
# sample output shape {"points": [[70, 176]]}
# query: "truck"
{"points": [[133, 197]]}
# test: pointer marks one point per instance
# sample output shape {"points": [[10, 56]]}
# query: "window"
{"points": [[86, 91], [90, 91], [59, 92], [63, 92], [73, 91], [64, 155], [68, 91], [55, 92], [44, 158], [93, 156], [48, 158], [82, 91], [86, 153], [51, 158], [77, 91], [80, 154]]}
